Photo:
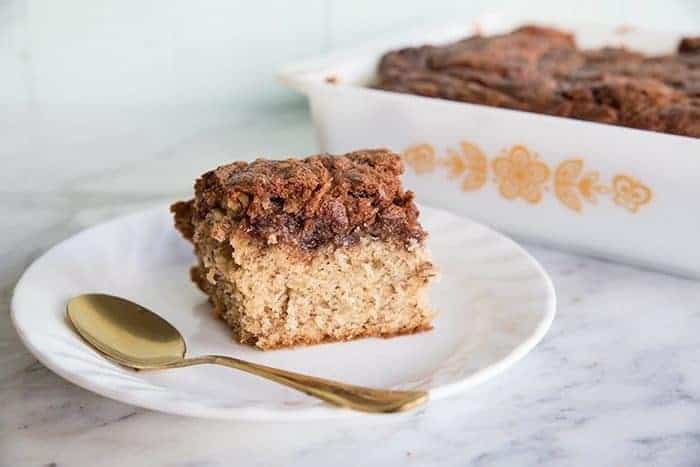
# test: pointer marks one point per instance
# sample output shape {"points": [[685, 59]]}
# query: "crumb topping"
{"points": [[306, 202], [542, 70]]}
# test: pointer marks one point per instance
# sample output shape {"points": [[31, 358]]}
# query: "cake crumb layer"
{"points": [[271, 300]]}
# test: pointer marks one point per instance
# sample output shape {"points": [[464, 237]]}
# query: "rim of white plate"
{"points": [[320, 412]]}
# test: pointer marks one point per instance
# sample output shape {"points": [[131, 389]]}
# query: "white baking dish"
{"points": [[608, 191]]}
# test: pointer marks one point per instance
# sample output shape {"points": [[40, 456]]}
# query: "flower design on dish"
{"points": [[590, 188], [568, 185], [521, 175], [421, 158], [630, 193], [470, 160]]}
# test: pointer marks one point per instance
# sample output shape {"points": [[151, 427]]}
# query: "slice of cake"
{"points": [[304, 251]]}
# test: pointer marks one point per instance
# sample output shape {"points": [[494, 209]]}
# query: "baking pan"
{"points": [[612, 192]]}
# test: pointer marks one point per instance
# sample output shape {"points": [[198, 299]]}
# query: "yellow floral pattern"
{"points": [[469, 164], [630, 193], [520, 174], [421, 158], [571, 185]]}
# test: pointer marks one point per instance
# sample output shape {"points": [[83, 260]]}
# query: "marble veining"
{"points": [[615, 382]]}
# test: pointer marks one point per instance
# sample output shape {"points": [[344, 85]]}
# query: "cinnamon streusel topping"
{"points": [[307, 202]]}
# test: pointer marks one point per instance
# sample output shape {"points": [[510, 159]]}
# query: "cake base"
{"points": [[272, 299]]}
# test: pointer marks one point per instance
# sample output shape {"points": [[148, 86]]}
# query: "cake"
{"points": [[539, 69], [304, 251]]}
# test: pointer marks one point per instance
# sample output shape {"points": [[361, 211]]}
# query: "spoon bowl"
{"points": [[125, 331]]}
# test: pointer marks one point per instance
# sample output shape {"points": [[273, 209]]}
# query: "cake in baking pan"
{"points": [[542, 70]]}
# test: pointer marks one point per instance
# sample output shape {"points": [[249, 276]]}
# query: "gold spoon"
{"points": [[139, 339]]}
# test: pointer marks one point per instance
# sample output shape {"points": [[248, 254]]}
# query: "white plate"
{"points": [[495, 304]]}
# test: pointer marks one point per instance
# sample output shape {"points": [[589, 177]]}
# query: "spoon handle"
{"points": [[333, 392]]}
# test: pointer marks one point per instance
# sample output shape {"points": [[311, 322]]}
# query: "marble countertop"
{"points": [[615, 382]]}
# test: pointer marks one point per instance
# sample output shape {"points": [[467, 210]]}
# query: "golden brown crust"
{"points": [[307, 203]]}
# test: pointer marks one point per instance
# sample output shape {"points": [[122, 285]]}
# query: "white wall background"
{"points": [[81, 80]]}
